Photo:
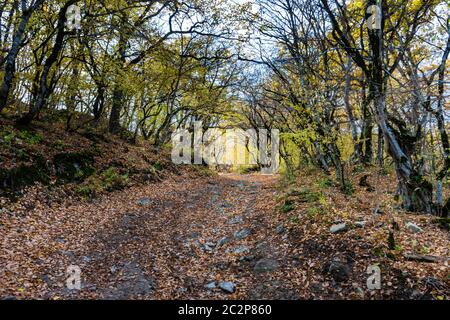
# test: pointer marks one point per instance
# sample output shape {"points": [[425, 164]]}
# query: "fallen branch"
{"points": [[426, 258]]}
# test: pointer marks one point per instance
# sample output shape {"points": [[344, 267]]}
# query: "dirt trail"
{"points": [[221, 237], [202, 238]]}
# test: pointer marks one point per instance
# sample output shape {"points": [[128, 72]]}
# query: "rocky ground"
{"points": [[223, 237]]}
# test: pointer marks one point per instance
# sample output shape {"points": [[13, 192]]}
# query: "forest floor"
{"points": [[227, 236]]}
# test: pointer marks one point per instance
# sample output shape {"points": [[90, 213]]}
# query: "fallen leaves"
{"points": [[164, 239]]}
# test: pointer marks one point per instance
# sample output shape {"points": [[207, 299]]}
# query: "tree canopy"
{"points": [[341, 90]]}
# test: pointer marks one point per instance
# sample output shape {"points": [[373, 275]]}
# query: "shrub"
{"points": [[88, 191], [157, 166], [348, 188]]}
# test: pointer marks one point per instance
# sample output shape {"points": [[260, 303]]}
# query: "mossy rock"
{"points": [[74, 166], [24, 175], [69, 167], [443, 223], [109, 180]]}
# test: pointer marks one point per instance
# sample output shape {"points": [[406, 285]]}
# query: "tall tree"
{"points": [[17, 43]]}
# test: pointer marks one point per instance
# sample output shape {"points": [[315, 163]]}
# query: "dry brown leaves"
{"points": [[156, 249]]}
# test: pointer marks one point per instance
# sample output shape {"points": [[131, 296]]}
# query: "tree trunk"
{"points": [[367, 136], [380, 151], [321, 157], [99, 103], [71, 98], [118, 95], [349, 109], [336, 158], [116, 110], [43, 92], [10, 64], [416, 192]]}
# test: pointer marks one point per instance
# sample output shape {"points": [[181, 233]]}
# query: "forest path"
{"points": [[214, 238]]}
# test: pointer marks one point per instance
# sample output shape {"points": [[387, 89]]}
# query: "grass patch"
{"points": [[113, 180], [305, 195], [287, 206], [30, 137], [248, 169], [313, 212], [425, 250], [294, 220], [378, 252], [203, 171], [9, 136], [325, 183]]}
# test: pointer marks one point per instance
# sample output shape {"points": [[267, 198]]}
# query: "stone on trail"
{"points": [[145, 202], [240, 185], [86, 259], [340, 227], [280, 229], [228, 287], [194, 235], [239, 250], [248, 258], [210, 285], [266, 265], [338, 270], [414, 228], [133, 282], [242, 234], [223, 241], [226, 205], [236, 220], [8, 298], [360, 224], [209, 246]]}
